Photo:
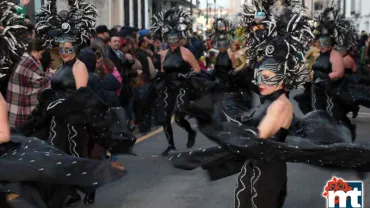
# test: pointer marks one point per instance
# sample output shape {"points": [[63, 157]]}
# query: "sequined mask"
{"points": [[63, 50], [325, 42], [273, 66], [173, 39]]}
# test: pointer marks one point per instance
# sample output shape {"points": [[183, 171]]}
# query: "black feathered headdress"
{"points": [[283, 46], [254, 31], [175, 20], [222, 30], [12, 36], [76, 25], [331, 23]]}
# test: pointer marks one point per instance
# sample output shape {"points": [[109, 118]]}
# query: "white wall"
{"points": [[363, 8]]}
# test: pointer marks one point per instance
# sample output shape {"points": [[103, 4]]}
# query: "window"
{"points": [[353, 7], [318, 6]]}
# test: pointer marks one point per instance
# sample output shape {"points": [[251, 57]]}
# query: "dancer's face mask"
{"points": [[173, 38], [67, 51], [268, 77], [325, 43]]}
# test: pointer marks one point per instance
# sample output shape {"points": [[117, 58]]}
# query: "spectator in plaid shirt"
{"points": [[25, 84]]}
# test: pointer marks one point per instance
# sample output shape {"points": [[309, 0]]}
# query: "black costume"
{"points": [[324, 90], [221, 30], [223, 67], [175, 95], [337, 32], [174, 91]]}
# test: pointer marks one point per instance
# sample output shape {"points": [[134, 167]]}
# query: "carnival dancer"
{"points": [[335, 34], [71, 115], [252, 142], [178, 63], [225, 62], [12, 41]]}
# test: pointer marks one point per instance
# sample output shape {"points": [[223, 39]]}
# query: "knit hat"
{"points": [[88, 57]]}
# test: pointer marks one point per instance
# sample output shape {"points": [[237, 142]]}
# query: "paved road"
{"points": [[153, 182]]}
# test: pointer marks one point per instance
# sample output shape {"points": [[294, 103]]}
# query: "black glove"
{"points": [[231, 73], [320, 75]]}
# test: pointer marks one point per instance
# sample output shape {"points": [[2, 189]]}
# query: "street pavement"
{"points": [[152, 181]]}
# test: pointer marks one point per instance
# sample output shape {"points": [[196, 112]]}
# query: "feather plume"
{"points": [[173, 20], [221, 29], [333, 24], [284, 38], [12, 37], [78, 24]]}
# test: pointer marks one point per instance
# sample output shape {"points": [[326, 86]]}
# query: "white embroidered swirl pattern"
{"points": [[244, 173], [254, 180], [52, 126], [71, 141]]}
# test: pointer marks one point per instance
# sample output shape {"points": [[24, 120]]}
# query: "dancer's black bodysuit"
{"points": [[262, 184], [324, 90], [223, 66], [176, 95], [63, 82]]}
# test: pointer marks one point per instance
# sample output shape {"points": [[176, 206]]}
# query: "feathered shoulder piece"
{"points": [[221, 29], [331, 23], [174, 20], [76, 25], [287, 37], [12, 36]]}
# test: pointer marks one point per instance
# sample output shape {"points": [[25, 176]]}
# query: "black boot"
{"points": [[89, 198], [191, 139], [353, 132], [72, 198], [355, 111], [169, 149]]}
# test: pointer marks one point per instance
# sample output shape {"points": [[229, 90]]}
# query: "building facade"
{"points": [[359, 12]]}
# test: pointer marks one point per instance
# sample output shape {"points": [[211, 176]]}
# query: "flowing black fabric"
{"points": [[45, 176], [28, 159], [315, 139], [356, 90], [66, 123]]}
